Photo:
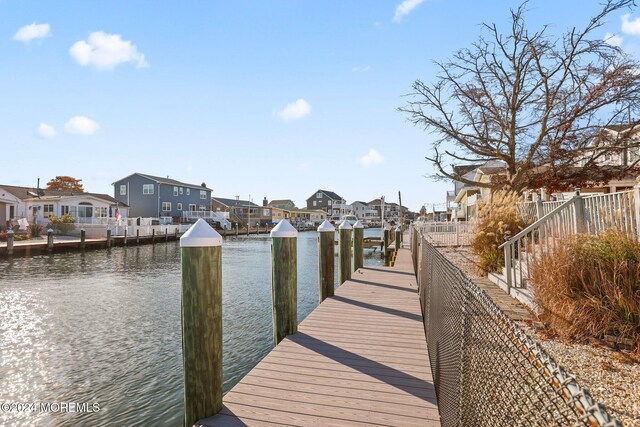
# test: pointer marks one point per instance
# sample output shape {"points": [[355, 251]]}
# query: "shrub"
{"points": [[494, 219], [62, 225], [589, 286], [35, 230]]}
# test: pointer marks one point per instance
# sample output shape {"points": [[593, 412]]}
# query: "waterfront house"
{"points": [[156, 197], [365, 213], [324, 200], [391, 210], [242, 211], [307, 218], [278, 214], [37, 204]]}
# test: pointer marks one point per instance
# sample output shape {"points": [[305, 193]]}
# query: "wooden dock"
{"points": [[359, 359]]}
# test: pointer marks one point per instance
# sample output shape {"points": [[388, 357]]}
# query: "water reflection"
{"points": [[104, 327]]}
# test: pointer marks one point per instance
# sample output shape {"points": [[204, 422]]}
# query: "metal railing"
{"points": [[446, 233], [486, 370]]}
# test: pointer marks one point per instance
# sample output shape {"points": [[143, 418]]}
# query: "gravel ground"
{"points": [[612, 377]]}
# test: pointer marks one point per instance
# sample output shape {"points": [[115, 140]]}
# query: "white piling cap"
{"points": [[358, 224], [284, 229], [346, 225], [200, 235], [326, 226], [387, 226]]}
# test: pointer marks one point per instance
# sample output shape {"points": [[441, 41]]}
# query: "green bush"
{"points": [[62, 225], [589, 286], [35, 230]]}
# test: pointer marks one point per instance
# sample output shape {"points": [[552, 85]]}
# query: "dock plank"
{"points": [[360, 358]]}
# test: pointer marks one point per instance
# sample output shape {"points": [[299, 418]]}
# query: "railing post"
{"points": [[344, 232], [108, 237], [201, 258], [358, 245], [83, 236], [507, 265], [10, 242], [539, 209], [578, 205], [326, 259], [284, 280], [50, 240]]}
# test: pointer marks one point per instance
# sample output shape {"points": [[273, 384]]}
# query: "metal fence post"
{"points": [[201, 253]]}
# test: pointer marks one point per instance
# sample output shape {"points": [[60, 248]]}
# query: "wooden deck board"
{"points": [[359, 359]]}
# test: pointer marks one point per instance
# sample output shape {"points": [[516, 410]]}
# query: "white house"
{"points": [[38, 204]]}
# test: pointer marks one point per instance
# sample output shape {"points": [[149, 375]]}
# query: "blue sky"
{"points": [[268, 98]]}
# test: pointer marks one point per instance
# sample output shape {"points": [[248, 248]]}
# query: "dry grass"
{"points": [[589, 286], [495, 219]]}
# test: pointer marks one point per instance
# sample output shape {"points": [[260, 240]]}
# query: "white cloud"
{"points": [[104, 51], [613, 39], [405, 8], [31, 32], [361, 69], [630, 27], [295, 110], [371, 158], [46, 131], [81, 125]]}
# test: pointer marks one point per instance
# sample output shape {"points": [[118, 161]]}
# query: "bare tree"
{"points": [[549, 108]]}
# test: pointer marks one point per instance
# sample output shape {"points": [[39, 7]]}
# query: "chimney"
{"points": [[265, 202], [237, 198], [203, 185]]}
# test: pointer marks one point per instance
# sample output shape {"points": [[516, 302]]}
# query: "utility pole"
{"points": [[400, 213]]}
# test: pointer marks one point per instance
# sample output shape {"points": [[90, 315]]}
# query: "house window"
{"points": [[47, 210], [192, 208], [179, 206], [314, 203], [203, 194], [188, 192], [329, 202], [265, 212], [318, 195], [202, 208], [181, 190], [123, 189], [166, 206], [147, 188], [64, 209], [100, 212], [175, 191]]}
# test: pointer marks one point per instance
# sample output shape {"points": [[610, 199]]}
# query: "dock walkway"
{"points": [[360, 358]]}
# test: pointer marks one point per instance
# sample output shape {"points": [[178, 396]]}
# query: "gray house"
{"points": [[324, 200], [155, 197]]}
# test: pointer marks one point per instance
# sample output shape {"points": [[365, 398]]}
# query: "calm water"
{"points": [[104, 327]]}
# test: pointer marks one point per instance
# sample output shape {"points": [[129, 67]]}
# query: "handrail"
{"points": [[537, 223]]}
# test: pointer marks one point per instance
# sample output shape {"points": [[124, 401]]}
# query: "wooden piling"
{"points": [[153, 235], [124, 240], [109, 238], [344, 233], [10, 236], [398, 238], [175, 236], [83, 237], [50, 240], [386, 237], [137, 236], [284, 280], [326, 259], [201, 254], [358, 245], [166, 234]]}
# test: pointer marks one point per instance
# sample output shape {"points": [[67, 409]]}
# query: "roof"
{"points": [[460, 170], [361, 202], [167, 181], [25, 193], [492, 170], [329, 194], [234, 202], [281, 202]]}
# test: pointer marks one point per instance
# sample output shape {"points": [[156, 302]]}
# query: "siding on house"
{"points": [[169, 197]]}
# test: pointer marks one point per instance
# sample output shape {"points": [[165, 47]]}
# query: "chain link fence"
{"points": [[487, 371]]}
